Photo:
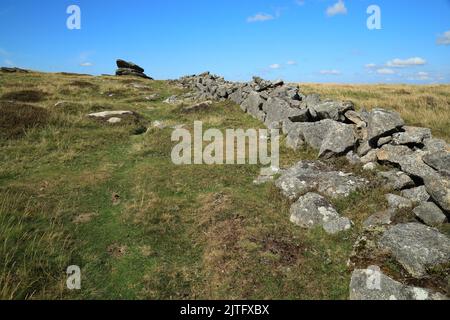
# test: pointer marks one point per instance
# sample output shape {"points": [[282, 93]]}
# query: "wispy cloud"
{"points": [[370, 66], [291, 63], [260, 17], [300, 2], [444, 39], [385, 71], [337, 8], [330, 72], [403, 63], [86, 64], [275, 66]]}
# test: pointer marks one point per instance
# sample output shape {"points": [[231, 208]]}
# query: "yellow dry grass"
{"points": [[420, 105]]}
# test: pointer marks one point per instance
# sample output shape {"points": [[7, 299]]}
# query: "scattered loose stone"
{"points": [[430, 214], [313, 210], [416, 247], [114, 120]]}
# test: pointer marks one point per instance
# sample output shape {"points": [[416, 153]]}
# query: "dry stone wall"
{"points": [[420, 171]]}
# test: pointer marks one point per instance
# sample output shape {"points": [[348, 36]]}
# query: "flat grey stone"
{"points": [[382, 123], [416, 247], [416, 195], [372, 284], [398, 203], [439, 161], [439, 189], [339, 140], [412, 135], [430, 214], [313, 210], [396, 180], [307, 176]]}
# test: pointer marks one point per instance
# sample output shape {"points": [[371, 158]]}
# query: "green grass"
{"points": [[178, 231]]}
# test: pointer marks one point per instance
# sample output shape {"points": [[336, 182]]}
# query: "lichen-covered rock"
{"points": [[396, 180], [416, 195], [430, 214], [333, 110], [411, 136], [313, 210], [339, 140], [308, 176], [439, 189], [398, 203], [416, 247], [372, 284], [253, 105], [382, 123], [439, 161]]}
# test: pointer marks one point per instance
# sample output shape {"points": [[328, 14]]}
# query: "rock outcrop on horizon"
{"points": [[126, 68]]}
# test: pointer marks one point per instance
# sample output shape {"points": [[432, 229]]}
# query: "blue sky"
{"points": [[296, 40]]}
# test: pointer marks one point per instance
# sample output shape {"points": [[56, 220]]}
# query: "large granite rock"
{"points": [[430, 214], [383, 123], [277, 109], [396, 180], [411, 136], [253, 105], [372, 284], [416, 195], [338, 141], [307, 176], [439, 161], [333, 110], [439, 189], [313, 210], [126, 68], [416, 247]]}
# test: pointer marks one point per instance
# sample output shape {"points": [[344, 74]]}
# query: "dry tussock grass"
{"points": [[427, 106]]}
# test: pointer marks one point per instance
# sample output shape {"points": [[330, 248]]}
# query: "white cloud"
{"points": [[420, 76], [260, 17], [291, 63], [385, 71], [337, 8], [275, 66], [330, 72], [444, 39], [86, 64], [370, 65], [402, 63]]}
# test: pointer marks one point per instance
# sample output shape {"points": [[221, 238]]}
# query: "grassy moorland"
{"points": [[74, 191]]}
